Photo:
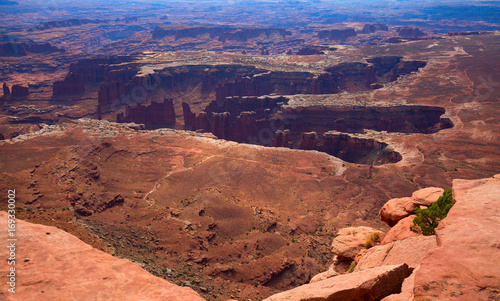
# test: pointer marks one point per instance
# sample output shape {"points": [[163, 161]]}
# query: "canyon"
{"points": [[207, 152]]}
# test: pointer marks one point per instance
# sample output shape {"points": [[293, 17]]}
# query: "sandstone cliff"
{"points": [[180, 31], [19, 91], [54, 265], [157, 114]]}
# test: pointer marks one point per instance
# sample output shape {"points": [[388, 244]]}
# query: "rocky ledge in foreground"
{"points": [[460, 262], [372, 284], [466, 263], [54, 265]]}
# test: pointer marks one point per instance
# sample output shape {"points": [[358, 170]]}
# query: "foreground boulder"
{"points": [[396, 209], [466, 264], [350, 241], [371, 284], [402, 230], [427, 196], [54, 265], [410, 251]]}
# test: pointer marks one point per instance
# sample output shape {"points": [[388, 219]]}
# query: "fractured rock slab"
{"points": [[372, 284]]}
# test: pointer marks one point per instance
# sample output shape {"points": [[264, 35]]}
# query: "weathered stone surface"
{"points": [[427, 196], [350, 241], [325, 275], [400, 231], [410, 251], [406, 290], [54, 265], [466, 264], [396, 209], [372, 284]]}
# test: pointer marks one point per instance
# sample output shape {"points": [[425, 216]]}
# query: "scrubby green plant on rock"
{"points": [[352, 267], [368, 243], [375, 237], [372, 239], [428, 219]]}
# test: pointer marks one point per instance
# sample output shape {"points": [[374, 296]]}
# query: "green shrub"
{"points": [[375, 237], [428, 219], [368, 243], [352, 267]]}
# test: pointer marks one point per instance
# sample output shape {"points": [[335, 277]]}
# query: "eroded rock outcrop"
{"points": [[465, 264], [54, 265], [371, 284], [6, 89], [154, 115], [410, 32], [353, 119], [19, 91], [12, 49], [314, 50], [350, 241], [410, 251], [426, 196], [374, 27], [43, 48], [189, 116], [281, 139], [396, 209], [221, 33], [97, 69], [67, 23], [401, 230], [72, 84], [92, 71], [358, 150], [337, 34]]}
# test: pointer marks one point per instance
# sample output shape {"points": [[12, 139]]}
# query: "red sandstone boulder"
{"points": [[400, 231], [350, 241], [372, 284], [54, 265], [466, 265], [396, 209], [410, 251], [427, 196]]}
